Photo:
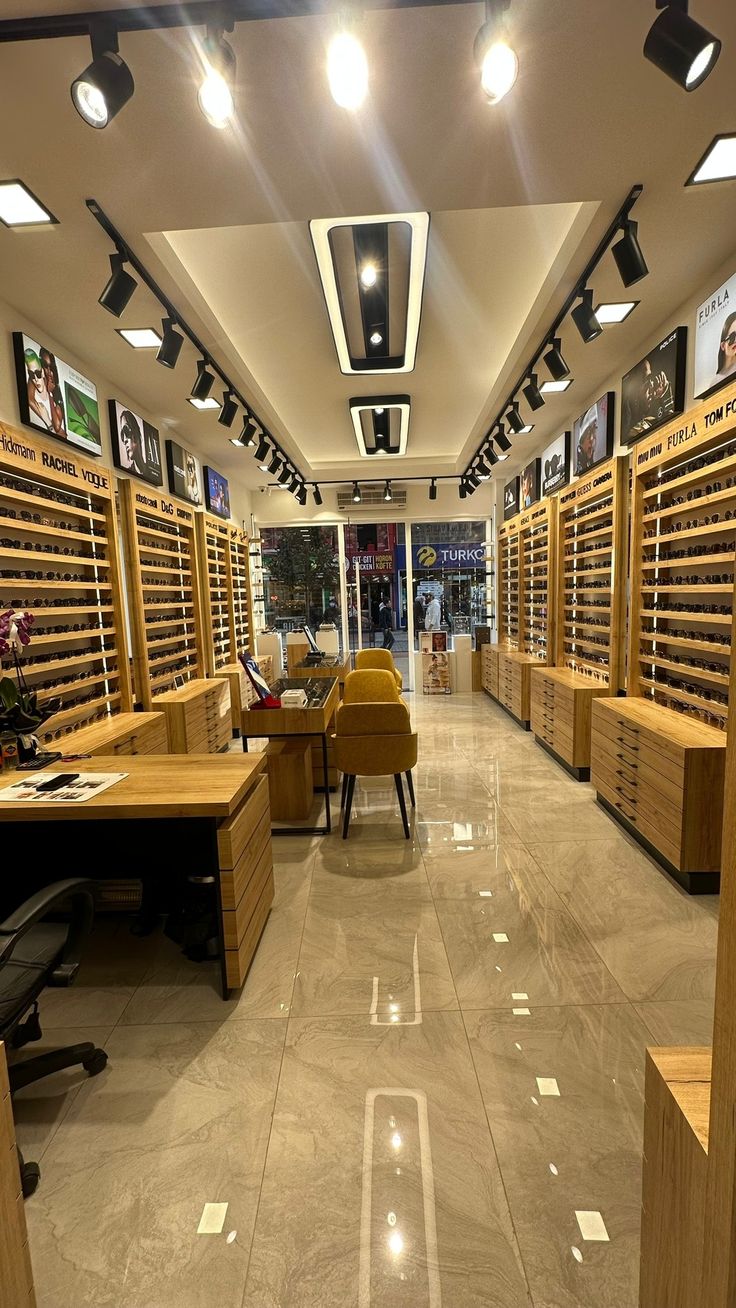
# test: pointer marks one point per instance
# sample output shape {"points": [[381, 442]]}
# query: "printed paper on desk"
{"points": [[86, 786]]}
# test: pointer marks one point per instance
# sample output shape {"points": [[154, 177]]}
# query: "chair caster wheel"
{"points": [[30, 1175], [96, 1062]]}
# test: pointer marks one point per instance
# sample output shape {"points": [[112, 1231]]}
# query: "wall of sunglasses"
{"points": [[509, 584], [218, 608], [243, 618], [163, 591], [591, 587], [59, 560], [537, 533], [683, 549]]}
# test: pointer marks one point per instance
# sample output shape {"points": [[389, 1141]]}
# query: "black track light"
{"points": [[204, 383], [275, 463], [262, 451], [387, 494], [514, 418], [171, 343], [680, 47], [491, 454], [317, 494], [285, 475], [462, 490], [583, 315], [301, 495], [532, 393], [433, 489], [630, 261], [248, 434], [481, 468], [473, 481], [502, 439], [106, 85], [295, 483], [556, 366], [357, 497], [229, 409], [120, 287]]}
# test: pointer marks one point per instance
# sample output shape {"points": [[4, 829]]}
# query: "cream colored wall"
{"points": [[11, 320], [279, 508]]}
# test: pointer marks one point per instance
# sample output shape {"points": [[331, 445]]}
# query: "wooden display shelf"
{"points": [[146, 512], [126, 733], [561, 707], [508, 581], [218, 608], [34, 465], [538, 532]]}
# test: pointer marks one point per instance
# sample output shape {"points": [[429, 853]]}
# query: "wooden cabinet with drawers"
{"points": [[125, 733], [514, 684], [198, 717], [489, 669], [561, 704], [662, 776], [246, 879]]}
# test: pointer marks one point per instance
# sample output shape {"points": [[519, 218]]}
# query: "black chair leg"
{"points": [[410, 784], [29, 1070], [348, 806], [30, 1175], [402, 802], [344, 789]]}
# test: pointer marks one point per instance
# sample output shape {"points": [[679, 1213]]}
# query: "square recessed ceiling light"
{"points": [[552, 387], [141, 338], [718, 164], [378, 404], [19, 207], [209, 403], [235, 440], [608, 314], [525, 430]]}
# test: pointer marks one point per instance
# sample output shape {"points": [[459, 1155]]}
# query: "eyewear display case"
{"points": [[525, 606]]}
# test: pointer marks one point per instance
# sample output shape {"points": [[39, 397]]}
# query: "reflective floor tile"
{"points": [[39, 1109], [343, 861], [678, 1022], [473, 872], [384, 1131], [549, 815]]}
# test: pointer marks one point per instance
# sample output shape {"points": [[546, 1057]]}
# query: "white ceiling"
{"points": [[519, 194]]}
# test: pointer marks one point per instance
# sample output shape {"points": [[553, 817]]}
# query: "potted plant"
{"points": [[20, 709]]}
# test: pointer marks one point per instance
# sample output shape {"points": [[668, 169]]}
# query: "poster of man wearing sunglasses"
{"points": [[55, 398], [715, 339]]}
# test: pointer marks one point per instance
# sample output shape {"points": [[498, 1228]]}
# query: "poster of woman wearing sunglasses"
{"points": [[53, 397], [715, 339]]}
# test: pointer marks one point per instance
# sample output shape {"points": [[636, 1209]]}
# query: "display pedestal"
{"points": [[462, 678], [271, 644]]}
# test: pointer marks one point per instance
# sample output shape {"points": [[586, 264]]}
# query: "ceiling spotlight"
{"points": [[368, 275], [19, 207], [680, 47], [120, 287], [583, 315], [532, 393], [275, 463], [262, 453], [630, 261], [215, 94], [106, 85], [433, 489], [491, 455], [376, 339], [285, 475], [462, 490], [481, 468], [556, 365], [514, 418], [209, 403], [387, 495], [317, 494], [502, 439], [140, 338], [295, 483], [301, 495], [357, 497], [171, 344], [204, 382], [499, 66], [228, 410], [347, 71]]}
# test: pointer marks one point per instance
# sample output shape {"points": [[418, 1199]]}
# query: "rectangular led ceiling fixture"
{"points": [[552, 387], [209, 403], [381, 424], [718, 163], [141, 338], [19, 207], [609, 314], [372, 273]]}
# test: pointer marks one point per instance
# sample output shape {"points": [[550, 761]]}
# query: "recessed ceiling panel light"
{"points": [[525, 430], [141, 338], [360, 405], [209, 403], [614, 313], [368, 275], [718, 164], [347, 70], [235, 440], [552, 387], [20, 208]]}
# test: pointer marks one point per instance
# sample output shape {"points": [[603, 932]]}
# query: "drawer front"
{"points": [[237, 961], [618, 725], [248, 889], [640, 817], [543, 720], [234, 834], [639, 761], [562, 745], [636, 749], [666, 809]]}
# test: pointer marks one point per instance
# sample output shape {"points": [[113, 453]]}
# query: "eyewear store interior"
{"points": [[368, 917]]}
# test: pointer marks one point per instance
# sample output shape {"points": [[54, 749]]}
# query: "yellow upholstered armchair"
{"points": [[369, 686], [378, 658], [375, 740]]}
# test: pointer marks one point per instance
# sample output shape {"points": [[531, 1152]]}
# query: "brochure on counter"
{"points": [[85, 786]]}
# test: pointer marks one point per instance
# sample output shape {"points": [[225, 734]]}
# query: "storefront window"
{"points": [[377, 587], [452, 576], [301, 577]]}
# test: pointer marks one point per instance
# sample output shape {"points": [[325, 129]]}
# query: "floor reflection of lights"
{"points": [[391, 1012]]}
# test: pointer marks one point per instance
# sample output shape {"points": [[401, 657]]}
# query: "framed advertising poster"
{"points": [[715, 339], [185, 473], [654, 391], [529, 493], [135, 444], [436, 674], [556, 464], [53, 397], [511, 498], [216, 493], [592, 434]]}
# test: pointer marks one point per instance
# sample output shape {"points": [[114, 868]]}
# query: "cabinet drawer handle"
{"points": [[631, 781], [634, 748], [628, 761], [630, 799], [630, 816], [627, 727]]}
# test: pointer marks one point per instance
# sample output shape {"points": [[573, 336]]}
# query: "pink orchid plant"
{"points": [[20, 710]]}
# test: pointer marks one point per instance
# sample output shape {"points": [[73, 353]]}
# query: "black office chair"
{"points": [[35, 954]]}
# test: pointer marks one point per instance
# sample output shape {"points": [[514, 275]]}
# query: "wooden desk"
{"points": [[16, 1276], [274, 723], [203, 813]]}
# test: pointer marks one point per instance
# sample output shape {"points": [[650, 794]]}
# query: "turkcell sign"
{"points": [[443, 556]]}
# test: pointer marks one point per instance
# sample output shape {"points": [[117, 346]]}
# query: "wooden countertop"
{"points": [[157, 786], [190, 691], [684, 731], [102, 733], [687, 1073], [576, 680]]}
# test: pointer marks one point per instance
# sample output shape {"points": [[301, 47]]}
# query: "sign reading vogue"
{"points": [[556, 465], [715, 339], [53, 397]]}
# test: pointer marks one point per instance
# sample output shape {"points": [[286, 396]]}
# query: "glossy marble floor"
{"points": [[430, 1089]]}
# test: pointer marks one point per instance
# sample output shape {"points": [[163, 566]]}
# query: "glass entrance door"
{"points": [[372, 567]]}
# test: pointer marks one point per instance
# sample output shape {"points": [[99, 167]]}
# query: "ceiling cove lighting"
{"points": [[631, 264], [387, 495], [317, 494], [610, 314], [357, 497], [347, 70], [360, 405], [680, 47], [514, 418], [215, 94], [141, 338], [499, 66], [718, 164], [19, 207], [204, 382], [433, 489], [532, 393], [119, 289], [583, 315], [229, 409], [555, 387], [171, 344], [556, 366], [106, 85]]}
